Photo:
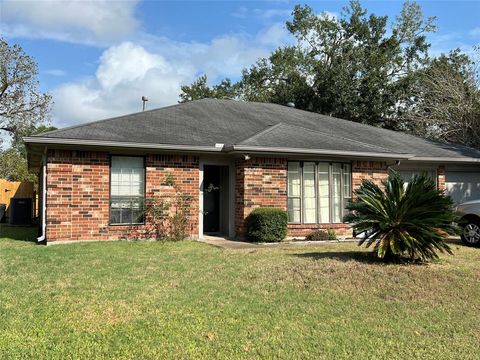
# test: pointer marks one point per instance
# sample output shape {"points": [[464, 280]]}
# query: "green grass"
{"points": [[189, 300]]}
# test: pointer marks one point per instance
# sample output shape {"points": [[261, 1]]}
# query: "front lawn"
{"points": [[189, 300]]}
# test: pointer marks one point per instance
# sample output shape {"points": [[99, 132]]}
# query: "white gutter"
{"points": [[446, 159], [123, 144], [44, 198], [246, 148]]}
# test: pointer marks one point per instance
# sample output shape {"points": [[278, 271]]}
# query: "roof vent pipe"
{"points": [[144, 100], [291, 104]]}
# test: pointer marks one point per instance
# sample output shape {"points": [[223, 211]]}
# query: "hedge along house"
{"points": [[230, 157]]}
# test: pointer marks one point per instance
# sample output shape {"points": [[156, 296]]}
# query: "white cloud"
{"points": [[475, 32], [154, 66], [90, 22], [444, 43], [55, 72], [157, 70], [241, 12], [266, 14], [274, 35], [126, 72], [273, 13]]}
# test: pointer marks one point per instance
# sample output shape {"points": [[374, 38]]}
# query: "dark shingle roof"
{"points": [[210, 121]]}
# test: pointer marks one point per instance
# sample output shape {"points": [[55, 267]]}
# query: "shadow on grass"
{"points": [[366, 257], [19, 233]]}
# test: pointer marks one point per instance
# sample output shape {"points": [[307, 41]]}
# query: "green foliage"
{"points": [[22, 105], [13, 166], [17, 139], [23, 108], [169, 180], [168, 217], [13, 161], [446, 101], [156, 216], [317, 235], [352, 66], [403, 220], [200, 90], [321, 235], [366, 68], [117, 300], [332, 235], [266, 225]]}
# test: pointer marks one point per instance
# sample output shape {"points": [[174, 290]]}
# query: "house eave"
{"points": [[119, 144], [232, 149], [339, 153], [446, 159]]}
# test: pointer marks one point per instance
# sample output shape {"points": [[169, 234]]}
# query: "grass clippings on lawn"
{"points": [[152, 300]]}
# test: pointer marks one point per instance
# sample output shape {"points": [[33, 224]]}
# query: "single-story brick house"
{"points": [[94, 176]]}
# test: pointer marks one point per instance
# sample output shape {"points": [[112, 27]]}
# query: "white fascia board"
{"points": [[120, 144], [446, 159], [243, 148]]}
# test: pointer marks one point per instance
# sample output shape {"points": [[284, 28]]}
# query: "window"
{"points": [[318, 192], [309, 197], [294, 191], [127, 185]]}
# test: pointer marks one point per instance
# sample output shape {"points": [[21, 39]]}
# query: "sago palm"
{"points": [[402, 220]]}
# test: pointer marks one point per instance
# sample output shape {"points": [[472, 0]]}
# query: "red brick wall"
{"points": [[377, 171], [441, 178], [263, 182], [259, 182], [78, 193]]}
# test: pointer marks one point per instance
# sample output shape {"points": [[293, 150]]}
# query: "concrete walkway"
{"points": [[225, 243]]}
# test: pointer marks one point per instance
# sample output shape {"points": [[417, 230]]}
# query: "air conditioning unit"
{"points": [[20, 211]]}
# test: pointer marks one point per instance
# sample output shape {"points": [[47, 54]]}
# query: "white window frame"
{"points": [[140, 199], [343, 197]]}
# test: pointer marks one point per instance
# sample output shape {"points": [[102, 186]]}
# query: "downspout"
{"points": [[42, 238]]}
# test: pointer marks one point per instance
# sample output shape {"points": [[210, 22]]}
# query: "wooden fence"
{"points": [[16, 189]]}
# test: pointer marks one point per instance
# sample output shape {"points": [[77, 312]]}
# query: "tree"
{"points": [[200, 90], [22, 105], [13, 166], [13, 161], [17, 142], [350, 67], [403, 220], [446, 101]]}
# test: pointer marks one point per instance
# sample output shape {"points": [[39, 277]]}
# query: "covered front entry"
{"points": [[216, 194]]}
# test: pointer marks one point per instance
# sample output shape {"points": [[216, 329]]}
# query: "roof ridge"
{"points": [[320, 132], [266, 130]]}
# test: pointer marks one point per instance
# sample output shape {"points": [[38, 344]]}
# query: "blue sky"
{"points": [[98, 58]]}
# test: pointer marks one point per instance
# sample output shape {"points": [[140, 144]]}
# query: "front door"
{"points": [[211, 199]]}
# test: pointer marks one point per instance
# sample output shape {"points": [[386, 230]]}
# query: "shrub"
{"points": [[321, 235], [266, 225], [403, 221], [317, 235], [332, 235], [167, 219]]}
